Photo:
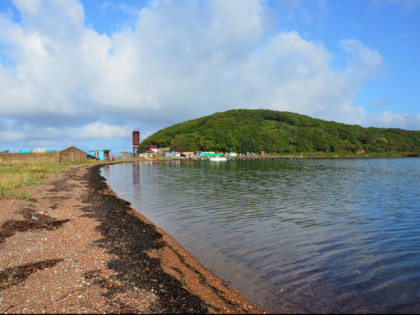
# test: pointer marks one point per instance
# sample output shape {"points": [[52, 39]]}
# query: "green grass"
{"points": [[24, 194], [18, 174]]}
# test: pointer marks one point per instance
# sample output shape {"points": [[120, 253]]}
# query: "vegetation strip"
{"points": [[282, 133], [18, 174]]}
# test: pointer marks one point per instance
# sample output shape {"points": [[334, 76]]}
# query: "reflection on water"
{"points": [[292, 236]]}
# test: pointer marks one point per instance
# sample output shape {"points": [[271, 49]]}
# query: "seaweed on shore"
{"points": [[33, 221], [16, 274], [128, 238]]}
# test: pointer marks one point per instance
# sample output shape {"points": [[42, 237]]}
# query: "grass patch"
{"points": [[18, 174], [24, 194]]}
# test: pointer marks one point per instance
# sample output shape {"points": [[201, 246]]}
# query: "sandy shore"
{"points": [[74, 247]]}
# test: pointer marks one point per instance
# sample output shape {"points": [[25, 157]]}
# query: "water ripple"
{"points": [[294, 236]]}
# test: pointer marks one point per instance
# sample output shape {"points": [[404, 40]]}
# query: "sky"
{"points": [[85, 73]]}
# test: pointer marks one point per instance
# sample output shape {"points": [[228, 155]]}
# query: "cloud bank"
{"points": [[60, 77]]}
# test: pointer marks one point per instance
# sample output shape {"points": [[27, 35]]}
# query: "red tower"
{"points": [[136, 141]]}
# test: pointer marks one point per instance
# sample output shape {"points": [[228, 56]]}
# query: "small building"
{"points": [[101, 155], [124, 155], [70, 154], [210, 154], [153, 148], [39, 150]]}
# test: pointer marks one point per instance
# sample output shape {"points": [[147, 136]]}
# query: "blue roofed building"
{"points": [[101, 155]]}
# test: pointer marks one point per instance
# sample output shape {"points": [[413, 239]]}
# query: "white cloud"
{"points": [[176, 62], [395, 120], [11, 136], [367, 64], [290, 73], [31, 7], [95, 130], [98, 130], [52, 17]]}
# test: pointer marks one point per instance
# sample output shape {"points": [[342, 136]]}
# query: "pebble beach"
{"points": [[75, 247]]}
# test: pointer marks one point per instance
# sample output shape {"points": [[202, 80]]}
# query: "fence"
{"points": [[69, 154]]}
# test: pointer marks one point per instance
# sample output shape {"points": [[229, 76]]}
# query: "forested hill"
{"points": [[280, 132]]}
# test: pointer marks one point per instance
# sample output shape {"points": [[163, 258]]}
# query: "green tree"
{"points": [[273, 131]]}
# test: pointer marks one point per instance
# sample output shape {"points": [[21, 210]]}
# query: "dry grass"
{"points": [[17, 174]]}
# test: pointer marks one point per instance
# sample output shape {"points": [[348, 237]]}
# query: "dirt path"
{"points": [[75, 247]]}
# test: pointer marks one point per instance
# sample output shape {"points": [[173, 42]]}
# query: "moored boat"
{"points": [[217, 158]]}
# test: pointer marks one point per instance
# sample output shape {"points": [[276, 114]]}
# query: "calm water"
{"points": [[293, 236]]}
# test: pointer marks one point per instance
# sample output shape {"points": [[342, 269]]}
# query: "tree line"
{"points": [[280, 132]]}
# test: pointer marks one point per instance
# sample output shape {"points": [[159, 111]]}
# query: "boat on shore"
{"points": [[217, 158]]}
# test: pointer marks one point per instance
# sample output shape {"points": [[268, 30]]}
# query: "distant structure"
{"points": [[69, 154], [136, 141], [100, 155], [124, 155]]}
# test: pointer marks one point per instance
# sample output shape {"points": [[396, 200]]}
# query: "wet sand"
{"points": [[75, 247]]}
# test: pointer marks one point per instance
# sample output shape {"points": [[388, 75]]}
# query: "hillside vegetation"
{"points": [[281, 132]]}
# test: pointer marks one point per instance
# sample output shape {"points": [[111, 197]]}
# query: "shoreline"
{"points": [[83, 249], [308, 156]]}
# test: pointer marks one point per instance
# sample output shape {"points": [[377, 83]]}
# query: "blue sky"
{"points": [[86, 73]]}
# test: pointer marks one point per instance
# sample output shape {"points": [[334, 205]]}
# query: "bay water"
{"points": [[298, 236]]}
